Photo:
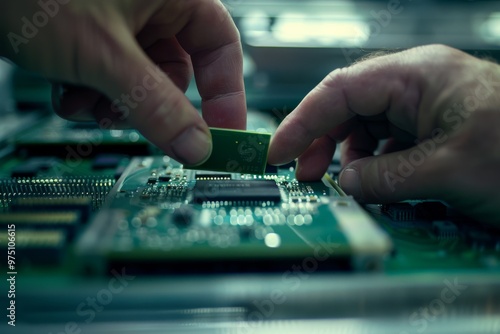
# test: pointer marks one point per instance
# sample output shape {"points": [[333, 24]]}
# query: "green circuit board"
{"points": [[162, 216], [236, 151]]}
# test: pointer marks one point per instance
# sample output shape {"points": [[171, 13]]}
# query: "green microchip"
{"points": [[236, 151]]}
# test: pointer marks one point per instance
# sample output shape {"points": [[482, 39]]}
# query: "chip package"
{"points": [[236, 191], [237, 152]]}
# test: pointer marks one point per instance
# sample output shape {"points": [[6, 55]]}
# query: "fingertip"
{"points": [[275, 154], [308, 170], [193, 146], [350, 182], [74, 103]]}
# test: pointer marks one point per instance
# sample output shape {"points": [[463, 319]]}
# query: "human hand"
{"points": [[440, 110], [108, 51]]}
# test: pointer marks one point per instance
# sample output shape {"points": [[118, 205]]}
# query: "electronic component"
{"points": [[480, 239], [212, 176], [219, 222], [25, 170], [65, 221], [32, 219], [412, 211], [75, 141], [400, 211], [33, 166], [445, 229], [105, 161], [95, 188], [237, 151], [83, 205], [164, 178], [39, 247], [236, 191], [160, 216], [431, 210]]}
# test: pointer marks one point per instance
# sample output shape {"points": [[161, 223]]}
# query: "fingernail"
{"points": [[351, 183], [193, 146]]}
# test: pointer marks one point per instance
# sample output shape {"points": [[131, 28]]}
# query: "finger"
{"points": [[341, 132], [323, 109], [149, 100], [212, 40], [79, 104], [173, 60], [364, 141], [313, 164], [84, 104], [359, 142], [393, 145], [74, 103], [358, 145], [397, 176], [367, 89]]}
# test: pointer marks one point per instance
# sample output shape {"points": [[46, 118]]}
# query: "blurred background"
{"points": [[291, 45]]}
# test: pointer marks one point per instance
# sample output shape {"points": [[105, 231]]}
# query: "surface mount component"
{"points": [[236, 191], [217, 222], [237, 151]]}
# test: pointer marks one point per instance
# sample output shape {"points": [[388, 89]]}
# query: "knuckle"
{"points": [[336, 78]]}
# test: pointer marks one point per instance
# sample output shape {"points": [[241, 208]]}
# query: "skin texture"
{"points": [[106, 54], [438, 108]]}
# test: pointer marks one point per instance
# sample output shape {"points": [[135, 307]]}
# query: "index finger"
{"points": [[213, 41], [366, 89]]}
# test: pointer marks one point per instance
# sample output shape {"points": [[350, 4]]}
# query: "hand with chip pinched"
{"points": [[439, 108], [127, 63]]}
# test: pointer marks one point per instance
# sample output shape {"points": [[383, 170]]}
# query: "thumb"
{"points": [[145, 98], [411, 174]]}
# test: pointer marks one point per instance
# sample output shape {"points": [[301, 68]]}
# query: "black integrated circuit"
{"points": [[236, 191]]}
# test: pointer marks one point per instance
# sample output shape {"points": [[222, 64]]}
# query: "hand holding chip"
{"points": [[438, 107], [130, 62]]}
